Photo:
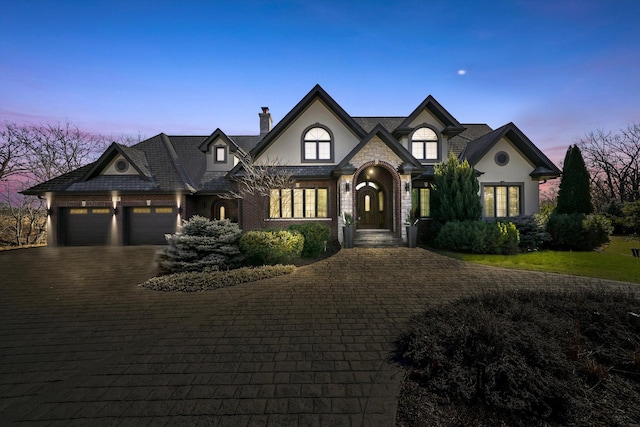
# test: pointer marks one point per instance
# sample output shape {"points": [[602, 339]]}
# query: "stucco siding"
{"points": [[516, 171], [287, 148]]}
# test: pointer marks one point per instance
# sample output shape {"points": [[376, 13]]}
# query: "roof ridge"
{"points": [[173, 155]]}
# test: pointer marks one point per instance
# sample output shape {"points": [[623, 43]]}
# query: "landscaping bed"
{"points": [[524, 358]]}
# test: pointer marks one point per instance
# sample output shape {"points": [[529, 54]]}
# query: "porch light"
{"points": [[347, 187], [407, 186], [115, 211], [49, 211]]}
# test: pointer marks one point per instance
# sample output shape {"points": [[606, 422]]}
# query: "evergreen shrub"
{"points": [[315, 236], [579, 232], [202, 245], [533, 235], [478, 237], [270, 247]]}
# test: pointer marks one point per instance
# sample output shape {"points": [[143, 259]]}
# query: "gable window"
{"points": [[421, 201], [220, 154], [424, 144], [299, 203], [317, 144], [500, 201]]}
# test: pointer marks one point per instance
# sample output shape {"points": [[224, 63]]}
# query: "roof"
{"points": [[476, 149], [176, 163]]}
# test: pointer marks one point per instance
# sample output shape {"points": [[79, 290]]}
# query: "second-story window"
{"points": [[424, 144], [220, 154], [317, 145]]}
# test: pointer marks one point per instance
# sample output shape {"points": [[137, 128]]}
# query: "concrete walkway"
{"points": [[80, 343]]}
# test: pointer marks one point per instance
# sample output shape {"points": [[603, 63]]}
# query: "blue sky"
{"points": [[557, 69]]}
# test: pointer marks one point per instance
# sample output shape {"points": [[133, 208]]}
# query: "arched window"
{"points": [[317, 144], [221, 210], [424, 144]]}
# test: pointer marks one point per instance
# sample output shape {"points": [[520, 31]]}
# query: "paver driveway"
{"points": [[80, 343]]}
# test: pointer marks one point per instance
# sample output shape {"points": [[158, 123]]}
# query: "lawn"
{"points": [[613, 262]]}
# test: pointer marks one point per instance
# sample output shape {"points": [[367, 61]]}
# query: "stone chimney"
{"points": [[265, 121]]}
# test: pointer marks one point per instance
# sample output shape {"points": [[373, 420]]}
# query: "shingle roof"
{"points": [[369, 123]]}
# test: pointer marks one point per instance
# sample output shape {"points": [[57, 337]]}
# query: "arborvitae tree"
{"points": [[574, 195], [455, 196]]}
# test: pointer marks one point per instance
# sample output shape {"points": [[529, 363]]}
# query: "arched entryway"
{"points": [[375, 198]]}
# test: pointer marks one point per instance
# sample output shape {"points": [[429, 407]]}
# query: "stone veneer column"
{"points": [[345, 201]]}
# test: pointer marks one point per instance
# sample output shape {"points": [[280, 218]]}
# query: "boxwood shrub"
{"points": [[478, 237], [315, 236], [270, 247]]}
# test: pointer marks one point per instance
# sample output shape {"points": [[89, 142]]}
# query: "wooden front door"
{"points": [[368, 208]]}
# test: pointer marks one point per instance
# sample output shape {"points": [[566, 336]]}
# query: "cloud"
{"points": [[462, 72]]}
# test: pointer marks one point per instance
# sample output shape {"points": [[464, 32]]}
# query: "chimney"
{"points": [[265, 121]]}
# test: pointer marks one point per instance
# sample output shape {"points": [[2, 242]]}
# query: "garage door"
{"points": [[148, 225], [86, 226]]}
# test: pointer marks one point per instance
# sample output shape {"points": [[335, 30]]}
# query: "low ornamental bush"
{"points": [[579, 232], [204, 281], [202, 244], [478, 237], [269, 247], [315, 237]]}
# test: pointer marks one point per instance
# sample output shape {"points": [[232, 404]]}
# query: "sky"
{"points": [[558, 69]]}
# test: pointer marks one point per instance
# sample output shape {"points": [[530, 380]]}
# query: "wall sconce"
{"points": [[347, 187], [407, 186], [180, 210], [115, 211], [148, 202], [49, 212]]}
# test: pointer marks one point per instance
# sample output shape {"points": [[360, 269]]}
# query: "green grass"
{"points": [[614, 262]]}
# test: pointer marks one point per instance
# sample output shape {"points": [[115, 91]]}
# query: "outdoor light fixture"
{"points": [[347, 187], [115, 211], [407, 186], [49, 211], [180, 210]]}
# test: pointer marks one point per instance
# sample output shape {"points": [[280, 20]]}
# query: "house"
{"points": [[377, 168]]}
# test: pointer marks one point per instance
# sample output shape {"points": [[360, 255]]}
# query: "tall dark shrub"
{"points": [[574, 195], [315, 237], [455, 194]]}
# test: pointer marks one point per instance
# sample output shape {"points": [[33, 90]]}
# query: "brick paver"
{"points": [[80, 343]]}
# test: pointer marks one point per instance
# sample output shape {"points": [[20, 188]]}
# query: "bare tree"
{"points": [[33, 154], [13, 151], [613, 159], [255, 181]]}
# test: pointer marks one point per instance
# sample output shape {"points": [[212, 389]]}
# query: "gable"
{"points": [[517, 168], [287, 146], [119, 166], [427, 117]]}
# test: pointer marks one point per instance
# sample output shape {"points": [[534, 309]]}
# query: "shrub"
{"points": [[202, 244], [538, 355], [262, 247], [204, 281], [532, 234], [315, 236], [579, 232], [478, 237]]}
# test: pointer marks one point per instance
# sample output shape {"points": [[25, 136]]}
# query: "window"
{"points": [[122, 165], [299, 203], [501, 158], [421, 201], [501, 201], [220, 154], [424, 144], [317, 145]]}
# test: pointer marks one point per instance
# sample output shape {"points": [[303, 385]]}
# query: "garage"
{"points": [[86, 226], [148, 225]]}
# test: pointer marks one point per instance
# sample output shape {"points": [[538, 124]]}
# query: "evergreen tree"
{"points": [[574, 194], [455, 196]]}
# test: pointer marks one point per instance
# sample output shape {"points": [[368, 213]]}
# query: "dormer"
{"points": [[222, 153]]}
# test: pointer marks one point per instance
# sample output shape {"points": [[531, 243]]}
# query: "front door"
{"points": [[368, 208]]}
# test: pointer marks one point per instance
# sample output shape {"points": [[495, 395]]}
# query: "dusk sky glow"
{"points": [[557, 69]]}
